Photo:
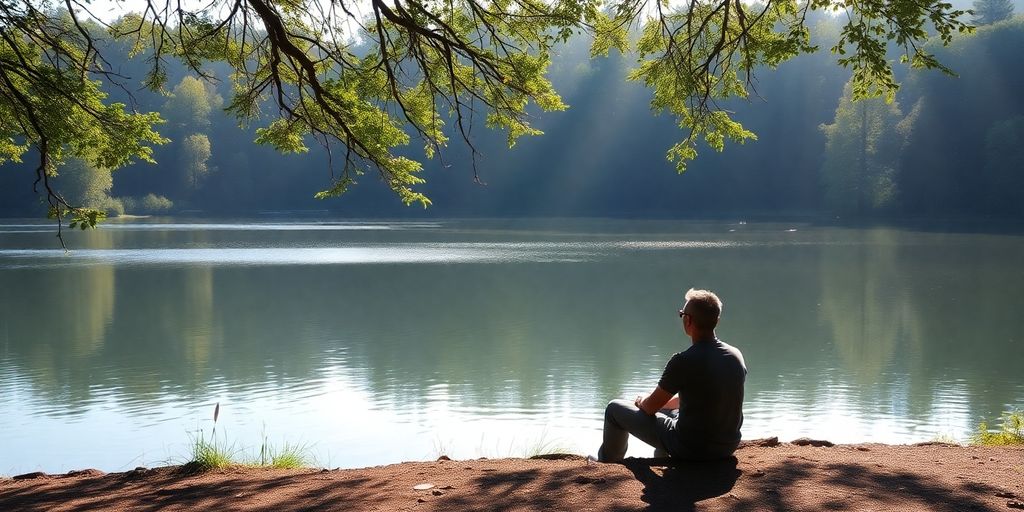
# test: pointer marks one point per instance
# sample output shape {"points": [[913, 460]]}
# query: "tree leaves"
{"points": [[371, 79]]}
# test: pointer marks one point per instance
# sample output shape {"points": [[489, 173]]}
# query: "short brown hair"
{"points": [[704, 307]]}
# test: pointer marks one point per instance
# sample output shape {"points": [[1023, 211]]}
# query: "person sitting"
{"points": [[705, 382]]}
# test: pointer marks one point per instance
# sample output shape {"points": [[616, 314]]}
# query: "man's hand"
{"points": [[653, 402]]}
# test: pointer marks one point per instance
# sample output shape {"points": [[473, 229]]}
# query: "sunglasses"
{"points": [[682, 314]]}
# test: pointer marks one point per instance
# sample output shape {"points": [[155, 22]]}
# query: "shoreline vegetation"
{"points": [[211, 454]]}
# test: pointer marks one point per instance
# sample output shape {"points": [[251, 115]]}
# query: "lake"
{"points": [[377, 342]]}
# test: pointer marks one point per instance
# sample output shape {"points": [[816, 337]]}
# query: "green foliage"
{"points": [[195, 155], [50, 101], [421, 66], [213, 454], [84, 184], [190, 104], [1010, 433], [148, 204], [288, 456], [863, 40], [861, 165], [210, 454]]}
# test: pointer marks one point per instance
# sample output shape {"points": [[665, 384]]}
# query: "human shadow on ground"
{"points": [[671, 485], [845, 486]]}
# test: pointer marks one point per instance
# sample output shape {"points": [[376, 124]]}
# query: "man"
{"points": [[705, 382]]}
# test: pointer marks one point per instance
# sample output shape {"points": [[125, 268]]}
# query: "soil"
{"points": [[764, 475]]}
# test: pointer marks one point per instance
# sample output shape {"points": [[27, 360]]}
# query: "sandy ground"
{"points": [[763, 476]]}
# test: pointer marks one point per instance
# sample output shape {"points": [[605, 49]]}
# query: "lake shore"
{"points": [[765, 475]]}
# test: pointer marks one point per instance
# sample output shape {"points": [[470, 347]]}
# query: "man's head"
{"points": [[701, 312]]}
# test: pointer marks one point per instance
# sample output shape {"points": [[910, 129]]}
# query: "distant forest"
{"points": [[947, 147]]}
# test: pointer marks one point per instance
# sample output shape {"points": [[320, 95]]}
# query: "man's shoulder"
{"points": [[733, 353], [679, 358], [730, 348]]}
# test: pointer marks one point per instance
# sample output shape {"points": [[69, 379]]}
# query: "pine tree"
{"points": [[987, 12]]}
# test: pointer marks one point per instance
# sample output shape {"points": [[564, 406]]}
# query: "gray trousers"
{"points": [[622, 418]]}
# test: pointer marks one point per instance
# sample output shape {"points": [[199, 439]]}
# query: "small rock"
{"points": [[806, 441], [1015, 504], [141, 468], [84, 472], [421, 500], [757, 473], [588, 480], [423, 487], [447, 487], [975, 457], [556, 456], [769, 442], [436, 492], [863, 448], [1005, 495], [443, 457], [28, 476], [325, 470], [992, 459]]}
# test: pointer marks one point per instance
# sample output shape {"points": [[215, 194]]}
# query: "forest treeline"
{"points": [[946, 147]]}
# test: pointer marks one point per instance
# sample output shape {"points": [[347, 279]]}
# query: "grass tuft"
{"points": [[210, 454], [1010, 433], [543, 445], [290, 456]]}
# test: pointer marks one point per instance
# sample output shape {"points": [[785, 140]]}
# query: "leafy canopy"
{"points": [[368, 77]]}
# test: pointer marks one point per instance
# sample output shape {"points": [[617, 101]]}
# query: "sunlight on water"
{"points": [[372, 343], [399, 253], [263, 226]]}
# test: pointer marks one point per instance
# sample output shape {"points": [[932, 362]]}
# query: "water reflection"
{"points": [[852, 335]]}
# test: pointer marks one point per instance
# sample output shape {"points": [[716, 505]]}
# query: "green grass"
{"points": [[210, 454], [289, 456], [544, 445], [1010, 433]]}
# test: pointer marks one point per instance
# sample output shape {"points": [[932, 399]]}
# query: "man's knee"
{"points": [[618, 406]]}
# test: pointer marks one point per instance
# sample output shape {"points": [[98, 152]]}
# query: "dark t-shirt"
{"points": [[709, 378]]}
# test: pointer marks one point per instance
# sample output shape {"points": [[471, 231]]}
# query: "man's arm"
{"points": [[657, 400], [673, 403]]}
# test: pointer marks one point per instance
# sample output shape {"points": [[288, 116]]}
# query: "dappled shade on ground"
{"points": [[761, 477]]}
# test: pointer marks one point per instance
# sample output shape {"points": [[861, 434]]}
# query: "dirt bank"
{"points": [[784, 477]]}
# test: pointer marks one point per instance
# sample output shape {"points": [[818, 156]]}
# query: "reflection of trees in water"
{"points": [[510, 334], [866, 302], [914, 313], [55, 319], [970, 289], [528, 335]]}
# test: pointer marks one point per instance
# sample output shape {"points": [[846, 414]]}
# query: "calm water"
{"points": [[378, 342]]}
